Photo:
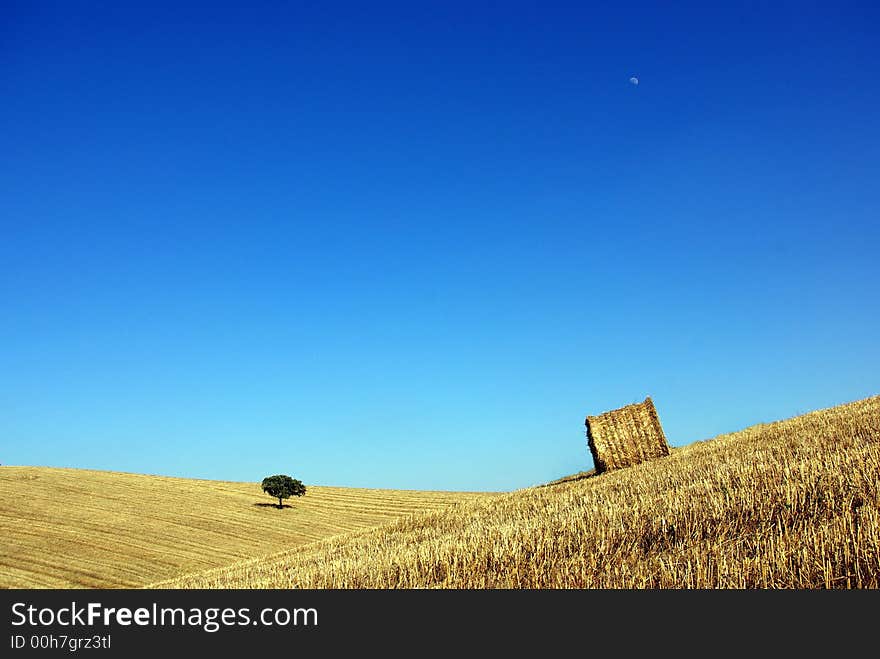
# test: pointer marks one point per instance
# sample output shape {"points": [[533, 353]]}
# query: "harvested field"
{"points": [[791, 504], [68, 528]]}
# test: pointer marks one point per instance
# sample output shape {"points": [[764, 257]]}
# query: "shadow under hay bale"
{"points": [[626, 436]]}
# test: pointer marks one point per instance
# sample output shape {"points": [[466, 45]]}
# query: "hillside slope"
{"points": [[792, 504], [64, 528]]}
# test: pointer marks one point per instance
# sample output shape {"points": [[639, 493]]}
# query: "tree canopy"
{"points": [[282, 486]]}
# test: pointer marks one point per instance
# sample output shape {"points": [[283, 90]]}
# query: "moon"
{"points": [[634, 80]]}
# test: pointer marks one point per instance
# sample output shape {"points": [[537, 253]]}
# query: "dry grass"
{"points": [[793, 504], [626, 437], [67, 528]]}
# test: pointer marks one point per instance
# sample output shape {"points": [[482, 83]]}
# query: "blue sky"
{"points": [[412, 245]]}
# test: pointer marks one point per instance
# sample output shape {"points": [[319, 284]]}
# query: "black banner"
{"points": [[104, 623]]}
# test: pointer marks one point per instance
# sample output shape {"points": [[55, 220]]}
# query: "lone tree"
{"points": [[281, 487]]}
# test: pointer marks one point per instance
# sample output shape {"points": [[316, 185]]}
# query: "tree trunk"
{"points": [[280, 505]]}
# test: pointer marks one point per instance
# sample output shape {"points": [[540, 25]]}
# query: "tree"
{"points": [[281, 487]]}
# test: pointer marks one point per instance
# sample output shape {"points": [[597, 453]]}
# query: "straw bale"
{"points": [[625, 437]]}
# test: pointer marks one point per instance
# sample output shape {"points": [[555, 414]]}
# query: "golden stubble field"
{"points": [[792, 504], [69, 528]]}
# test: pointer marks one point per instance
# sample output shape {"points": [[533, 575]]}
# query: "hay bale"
{"points": [[626, 436]]}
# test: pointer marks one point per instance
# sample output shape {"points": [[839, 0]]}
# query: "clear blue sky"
{"points": [[412, 245]]}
